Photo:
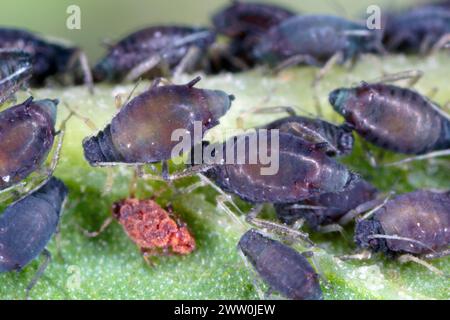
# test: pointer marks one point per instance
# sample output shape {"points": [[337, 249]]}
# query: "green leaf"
{"points": [[111, 267]]}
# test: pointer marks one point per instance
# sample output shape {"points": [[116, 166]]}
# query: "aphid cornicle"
{"points": [[140, 52], [27, 132], [285, 270], [304, 171], [315, 39], [393, 118], [327, 208], [430, 30], [337, 140], [27, 226], [15, 71], [49, 59], [415, 223], [141, 132]]}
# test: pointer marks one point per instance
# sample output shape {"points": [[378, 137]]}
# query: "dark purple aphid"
{"points": [[15, 71], [336, 140], [245, 23], [140, 52], [393, 118], [27, 226], [304, 170], [314, 39], [27, 132], [285, 270], [141, 132], [242, 19], [413, 223], [417, 29], [330, 207], [49, 59]]}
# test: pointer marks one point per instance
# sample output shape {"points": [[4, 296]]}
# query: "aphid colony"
{"points": [[311, 184]]}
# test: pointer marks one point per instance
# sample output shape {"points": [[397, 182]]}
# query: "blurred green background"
{"points": [[113, 19]]}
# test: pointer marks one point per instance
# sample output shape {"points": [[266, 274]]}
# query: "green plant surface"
{"points": [[110, 266]]}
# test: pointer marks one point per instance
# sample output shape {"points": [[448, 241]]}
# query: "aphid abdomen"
{"points": [[27, 225], [284, 269]]}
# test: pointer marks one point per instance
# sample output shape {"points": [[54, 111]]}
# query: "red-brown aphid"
{"points": [[152, 228]]}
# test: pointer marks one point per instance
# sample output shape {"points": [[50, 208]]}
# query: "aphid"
{"points": [[429, 32], [336, 140], [245, 23], [27, 226], [411, 225], [141, 132], [285, 270], [49, 59], [295, 171], [27, 132], [328, 211], [394, 118], [151, 228], [15, 71], [142, 51], [315, 40]]}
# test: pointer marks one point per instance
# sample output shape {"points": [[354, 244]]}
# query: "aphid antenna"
{"points": [[410, 258], [93, 234], [304, 206], [372, 211], [193, 82], [434, 154], [412, 75], [254, 275], [80, 57], [396, 237], [356, 33], [138, 82], [88, 122]]}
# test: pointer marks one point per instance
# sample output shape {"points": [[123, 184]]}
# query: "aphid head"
{"points": [[103, 71], [252, 244], [345, 142], [338, 99], [363, 232], [49, 107]]}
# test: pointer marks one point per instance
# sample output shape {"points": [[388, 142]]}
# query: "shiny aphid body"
{"points": [[28, 225], [168, 43], [27, 132], [337, 140], [421, 218], [393, 118], [152, 228], [285, 270], [15, 71], [315, 37], [431, 22], [141, 131], [48, 58], [304, 171], [330, 206]]}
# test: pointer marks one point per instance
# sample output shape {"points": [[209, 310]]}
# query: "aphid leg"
{"points": [[80, 57], [144, 67], [88, 122], [316, 265], [334, 227], [148, 254], [434, 154], [405, 258], [94, 234], [412, 75], [47, 258], [283, 230], [440, 44], [364, 207], [189, 171], [436, 255], [336, 58], [294, 60], [107, 188], [363, 255], [218, 51], [188, 62]]}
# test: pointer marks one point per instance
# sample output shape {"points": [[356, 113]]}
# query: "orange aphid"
{"points": [[151, 227]]}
